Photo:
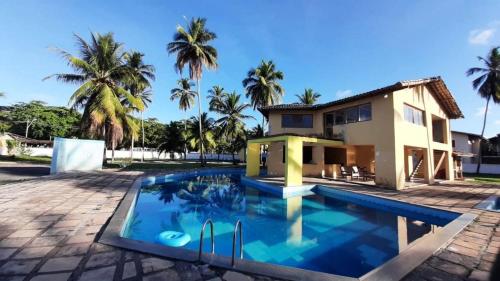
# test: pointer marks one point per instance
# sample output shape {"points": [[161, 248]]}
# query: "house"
{"points": [[466, 144], [397, 133]]}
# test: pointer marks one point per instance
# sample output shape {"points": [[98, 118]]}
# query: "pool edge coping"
{"points": [[394, 269]]}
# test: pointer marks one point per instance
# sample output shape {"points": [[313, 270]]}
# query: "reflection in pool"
{"points": [[315, 232]]}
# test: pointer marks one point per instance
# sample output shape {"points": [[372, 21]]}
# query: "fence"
{"points": [[149, 154], [485, 168]]}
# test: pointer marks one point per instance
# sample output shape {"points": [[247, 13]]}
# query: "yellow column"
{"points": [[253, 159], [293, 161], [294, 219]]}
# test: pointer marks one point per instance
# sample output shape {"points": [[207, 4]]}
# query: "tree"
{"points": [[232, 121], [193, 136], [192, 48], [186, 99], [101, 75], [215, 97], [487, 85], [308, 97], [50, 121], [171, 141], [256, 132], [262, 85], [138, 83]]}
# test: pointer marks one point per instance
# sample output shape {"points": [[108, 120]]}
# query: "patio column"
{"points": [[293, 161], [253, 160]]}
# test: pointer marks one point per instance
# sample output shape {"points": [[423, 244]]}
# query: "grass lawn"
{"points": [[166, 165], [26, 158], [484, 178]]}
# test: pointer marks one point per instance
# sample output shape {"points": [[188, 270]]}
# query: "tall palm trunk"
{"points": [[132, 150], [263, 121], [142, 128], [199, 122], [480, 153], [113, 150], [185, 141], [104, 158]]}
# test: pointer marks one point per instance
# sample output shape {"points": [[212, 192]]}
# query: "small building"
{"points": [[466, 144], [396, 133]]}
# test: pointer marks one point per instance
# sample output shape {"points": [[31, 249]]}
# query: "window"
{"points": [[365, 112], [453, 143], [307, 154], [414, 115], [353, 114], [296, 121], [339, 117], [307, 157]]}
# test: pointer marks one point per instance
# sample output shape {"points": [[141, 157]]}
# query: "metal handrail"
{"points": [[208, 221], [238, 225]]}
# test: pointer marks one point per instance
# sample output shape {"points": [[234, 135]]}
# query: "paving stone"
{"points": [[425, 272], [81, 238], [13, 242], [449, 267], [188, 272], [5, 253], [129, 270], [29, 253], [215, 279], [25, 233], [52, 277], [61, 264], [99, 248], [73, 250], [13, 278], [169, 275], [103, 259], [155, 264], [46, 241], [105, 273], [18, 267], [479, 275], [67, 223], [236, 276], [469, 262]]}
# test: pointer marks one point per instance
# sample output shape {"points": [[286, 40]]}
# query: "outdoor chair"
{"points": [[343, 172], [355, 172]]}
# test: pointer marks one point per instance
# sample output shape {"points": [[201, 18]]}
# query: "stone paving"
{"points": [[48, 229]]}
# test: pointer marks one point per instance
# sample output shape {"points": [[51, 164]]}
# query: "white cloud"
{"points": [[480, 111], [481, 36], [343, 94], [497, 122]]}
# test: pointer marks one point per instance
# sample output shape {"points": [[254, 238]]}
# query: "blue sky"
{"points": [[335, 47]]}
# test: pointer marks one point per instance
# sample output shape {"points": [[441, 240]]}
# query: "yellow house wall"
{"points": [[388, 133]]}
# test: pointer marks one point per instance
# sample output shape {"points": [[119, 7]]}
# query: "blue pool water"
{"points": [[327, 231]]}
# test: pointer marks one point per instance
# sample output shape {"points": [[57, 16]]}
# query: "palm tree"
{"points": [[232, 121], [192, 48], [101, 75], [256, 132], [215, 97], [487, 85], [186, 99], [2, 94], [308, 97], [262, 85], [138, 85], [207, 136]]}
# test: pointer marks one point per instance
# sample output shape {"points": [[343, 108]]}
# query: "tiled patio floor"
{"points": [[48, 227]]}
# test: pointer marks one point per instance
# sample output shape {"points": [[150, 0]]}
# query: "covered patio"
{"points": [[293, 155]]}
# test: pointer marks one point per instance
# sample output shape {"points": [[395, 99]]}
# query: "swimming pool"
{"points": [[324, 230]]}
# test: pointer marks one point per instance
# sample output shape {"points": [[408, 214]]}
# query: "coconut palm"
{"points": [[308, 97], [138, 84], [487, 85], [100, 73], [192, 48], [186, 99], [215, 97], [262, 85], [193, 136], [256, 132], [232, 121]]}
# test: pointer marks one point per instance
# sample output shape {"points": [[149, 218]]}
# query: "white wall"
{"points": [[148, 154], [76, 155], [485, 168]]}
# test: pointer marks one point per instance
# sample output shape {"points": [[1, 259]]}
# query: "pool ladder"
{"points": [[237, 228]]}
